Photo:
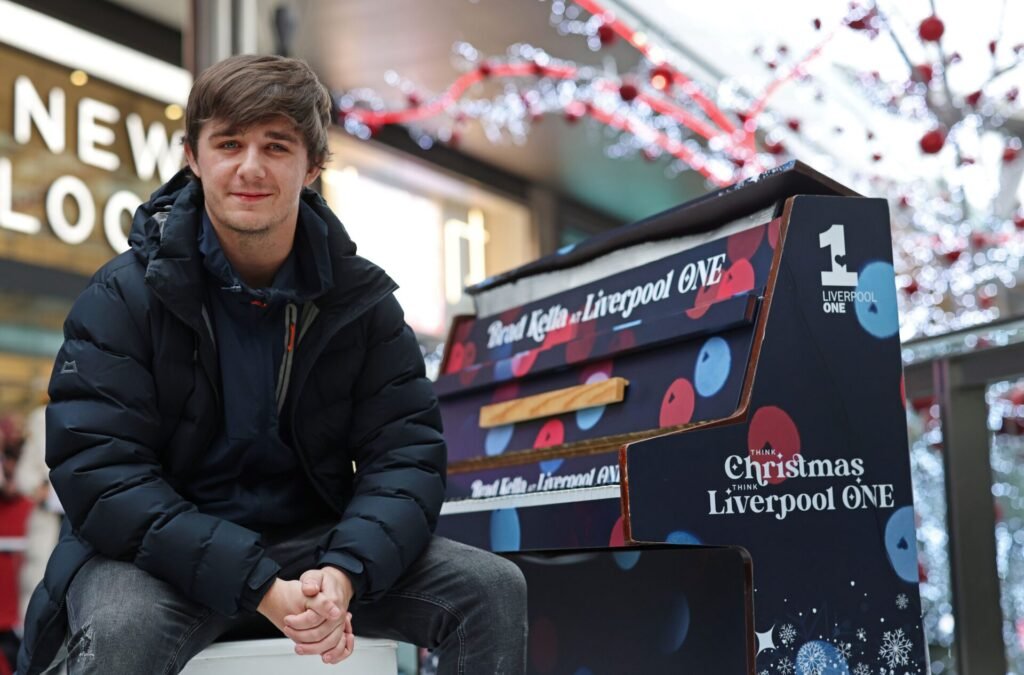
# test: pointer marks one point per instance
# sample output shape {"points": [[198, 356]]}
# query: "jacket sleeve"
{"points": [[400, 459], [102, 439]]}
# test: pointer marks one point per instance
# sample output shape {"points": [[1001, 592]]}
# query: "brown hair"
{"points": [[248, 89]]}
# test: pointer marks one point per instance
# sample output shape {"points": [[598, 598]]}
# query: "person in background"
{"points": [[31, 478], [14, 511], [240, 424]]}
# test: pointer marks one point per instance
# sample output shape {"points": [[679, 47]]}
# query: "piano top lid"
{"points": [[697, 215]]}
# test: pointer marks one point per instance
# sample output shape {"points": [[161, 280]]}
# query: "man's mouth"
{"points": [[250, 196]]}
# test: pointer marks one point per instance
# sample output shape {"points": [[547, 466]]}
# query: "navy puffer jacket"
{"points": [[134, 403]]}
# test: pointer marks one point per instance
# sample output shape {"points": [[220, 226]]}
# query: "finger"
{"points": [[312, 582], [313, 635], [342, 651], [332, 588], [324, 606], [304, 621], [332, 640]]}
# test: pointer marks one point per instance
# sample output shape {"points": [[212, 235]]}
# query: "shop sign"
{"points": [[78, 157]]}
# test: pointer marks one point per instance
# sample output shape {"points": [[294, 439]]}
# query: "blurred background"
{"points": [[473, 136]]}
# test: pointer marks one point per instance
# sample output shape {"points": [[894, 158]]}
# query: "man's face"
{"points": [[251, 177]]}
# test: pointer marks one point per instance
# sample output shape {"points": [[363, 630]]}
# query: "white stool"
{"points": [[273, 657]]}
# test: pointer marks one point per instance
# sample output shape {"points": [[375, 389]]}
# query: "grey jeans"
{"points": [[466, 604]]}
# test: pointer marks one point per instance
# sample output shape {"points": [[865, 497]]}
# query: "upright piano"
{"points": [[690, 433]]}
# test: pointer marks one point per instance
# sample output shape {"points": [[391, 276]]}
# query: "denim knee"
{"points": [[500, 584]]}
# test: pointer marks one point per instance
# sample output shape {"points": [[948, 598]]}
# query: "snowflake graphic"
{"points": [[862, 635], [785, 666], [862, 669], [902, 601], [895, 648], [763, 671], [844, 648], [811, 659], [787, 634]]}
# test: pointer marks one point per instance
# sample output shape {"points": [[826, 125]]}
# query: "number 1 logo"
{"points": [[835, 240]]}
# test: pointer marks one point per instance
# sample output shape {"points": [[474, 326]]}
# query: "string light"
{"points": [[955, 256]]}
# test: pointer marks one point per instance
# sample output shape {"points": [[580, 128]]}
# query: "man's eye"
{"points": [[228, 145], [278, 147]]}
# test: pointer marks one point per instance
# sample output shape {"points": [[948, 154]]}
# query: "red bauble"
{"points": [[932, 141], [979, 240], [1010, 153], [539, 70], [931, 29], [661, 77], [992, 47], [605, 34], [775, 148], [1012, 93], [793, 124], [876, 157], [413, 100], [817, 24], [973, 98], [575, 111], [911, 288], [952, 256], [485, 69], [924, 72], [1018, 220], [628, 92]]}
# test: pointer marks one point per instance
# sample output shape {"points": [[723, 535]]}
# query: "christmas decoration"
{"points": [[659, 112]]}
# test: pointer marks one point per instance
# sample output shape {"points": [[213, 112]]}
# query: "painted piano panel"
{"points": [[771, 384]]}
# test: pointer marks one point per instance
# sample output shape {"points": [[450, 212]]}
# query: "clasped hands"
{"points": [[313, 613]]}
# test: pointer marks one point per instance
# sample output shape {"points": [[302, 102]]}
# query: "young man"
{"points": [[240, 424]]}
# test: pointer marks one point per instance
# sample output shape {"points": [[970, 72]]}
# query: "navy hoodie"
{"points": [[250, 476]]}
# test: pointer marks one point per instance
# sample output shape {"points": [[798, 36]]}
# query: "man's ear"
{"points": [[311, 175], [190, 157]]}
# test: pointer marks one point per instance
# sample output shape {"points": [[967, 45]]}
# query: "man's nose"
{"points": [[251, 165]]}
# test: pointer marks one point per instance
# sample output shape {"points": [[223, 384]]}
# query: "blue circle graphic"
{"points": [[676, 625], [713, 364], [503, 370], [505, 532], [583, 670], [901, 544], [875, 301], [551, 465], [626, 560], [682, 537], [588, 417], [820, 658], [497, 439]]}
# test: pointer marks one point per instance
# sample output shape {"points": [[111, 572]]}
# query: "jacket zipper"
{"points": [[284, 374]]}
